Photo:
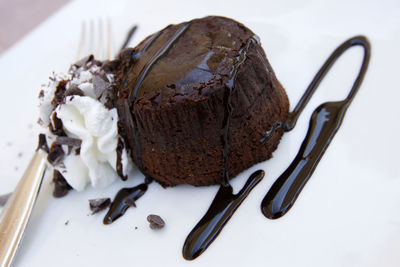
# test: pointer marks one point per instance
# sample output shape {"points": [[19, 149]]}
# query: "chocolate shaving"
{"points": [[84, 61], [42, 143], [59, 95], [74, 90], [97, 62], [108, 97], [110, 66], [56, 154], [129, 37], [99, 85], [61, 187], [99, 204], [126, 54], [57, 126], [155, 222], [4, 198], [126, 125], [68, 141], [120, 148], [41, 94]]}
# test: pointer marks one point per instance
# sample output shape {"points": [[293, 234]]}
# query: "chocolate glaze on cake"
{"points": [[195, 100]]}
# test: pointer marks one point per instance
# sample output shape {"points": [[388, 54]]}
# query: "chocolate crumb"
{"points": [[155, 222], [84, 61], [41, 94], [61, 187], [42, 144], [4, 198], [110, 66], [59, 94], [130, 202], [135, 227], [40, 122], [99, 204], [57, 126], [129, 37], [68, 141], [99, 86], [56, 154], [74, 90], [69, 150], [125, 55], [67, 222], [120, 148]]}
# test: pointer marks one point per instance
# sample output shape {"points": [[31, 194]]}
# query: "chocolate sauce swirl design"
{"points": [[325, 122]]}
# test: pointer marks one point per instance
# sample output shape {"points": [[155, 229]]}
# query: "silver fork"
{"points": [[15, 214], [99, 46]]}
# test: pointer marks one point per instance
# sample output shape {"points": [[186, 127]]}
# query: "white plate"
{"points": [[347, 215]]}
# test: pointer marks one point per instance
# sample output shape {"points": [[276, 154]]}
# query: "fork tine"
{"points": [[95, 38], [91, 42], [99, 45], [108, 39], [81, 41]]}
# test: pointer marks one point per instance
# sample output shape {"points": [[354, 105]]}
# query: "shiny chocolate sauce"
{"points": [[126, 196], [228, 110], [221, 210], [225, 203], [125, 107], [325, 122], [139, 81]]}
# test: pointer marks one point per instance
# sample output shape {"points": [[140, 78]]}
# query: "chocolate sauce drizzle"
{"points": [[124, 107], [129, 37], [139, 81], [221, 210], [153, 61], [228, 109], [324, 123], [225, 203], [124, 199], [126, 196]]}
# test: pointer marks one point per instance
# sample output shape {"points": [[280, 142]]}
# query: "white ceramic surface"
{"points": [[347, 215]]}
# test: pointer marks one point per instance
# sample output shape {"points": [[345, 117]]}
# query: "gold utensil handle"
{"points": [[15, 214]]}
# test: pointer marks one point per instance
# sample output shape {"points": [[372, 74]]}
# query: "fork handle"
{"points": [[15, 214]]}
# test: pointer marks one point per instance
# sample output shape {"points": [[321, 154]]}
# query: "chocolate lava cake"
{"points": [[195, 101]]}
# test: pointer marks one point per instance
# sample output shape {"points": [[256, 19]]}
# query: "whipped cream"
{"points": [[86, 118]]}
